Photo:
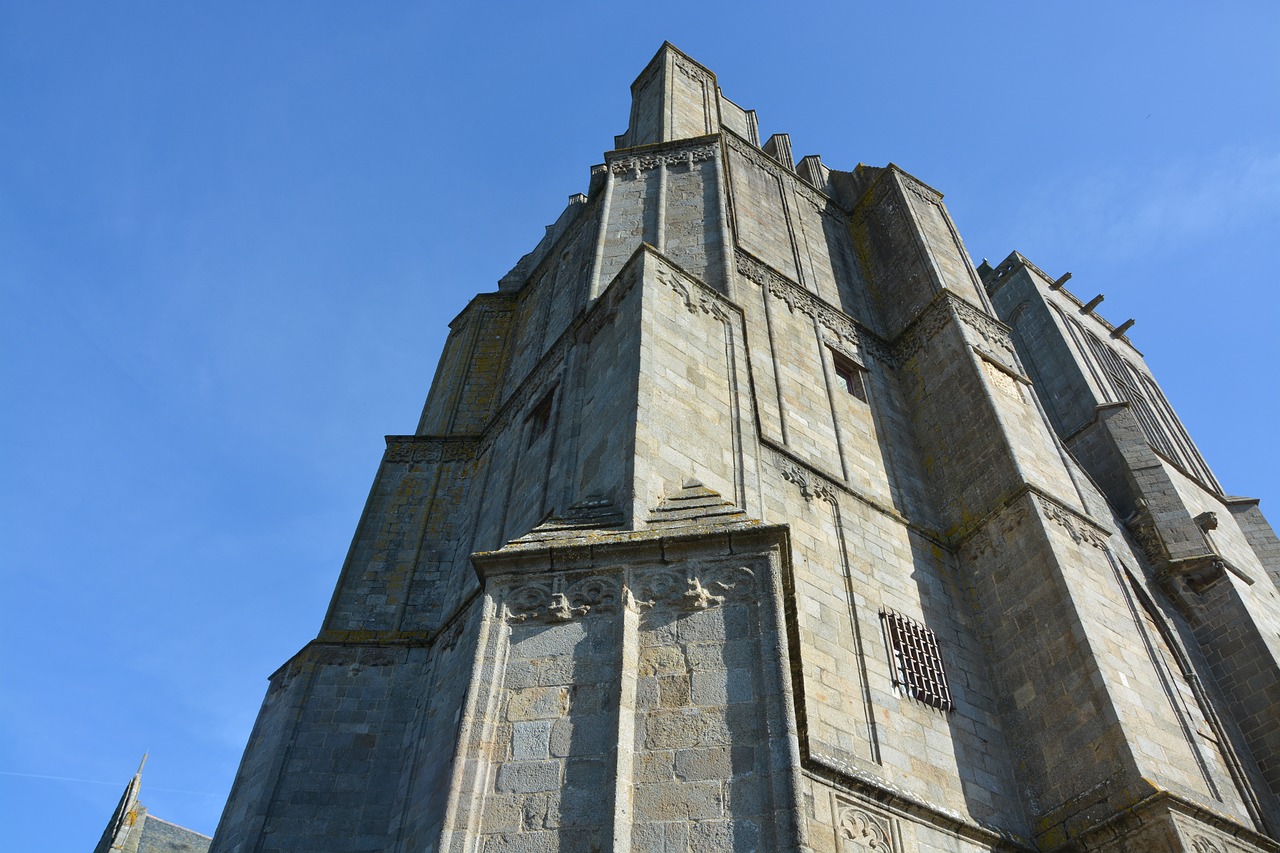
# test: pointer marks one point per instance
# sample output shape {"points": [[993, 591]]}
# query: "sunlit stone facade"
{"points": [[746, 514]]}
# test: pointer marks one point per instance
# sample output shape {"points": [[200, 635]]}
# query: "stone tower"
{"points": [[748, 515]]}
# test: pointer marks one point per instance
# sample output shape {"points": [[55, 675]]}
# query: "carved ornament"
{"points": [[695, 295], [811, 485], [859, 830], [540, 601], [992, 535], [932, 320], [992, 336], [781, 172], [843, 328], [688, 69], [416, 449], [992, 333], [1204, 844], [919, 190], [678, 157], [1077, 527], [706, 589]]}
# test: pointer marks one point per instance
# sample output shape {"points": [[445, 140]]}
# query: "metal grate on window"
{"points": [[917, 663]]}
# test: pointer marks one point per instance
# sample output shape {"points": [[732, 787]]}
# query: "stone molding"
{"points": [[777, 170], [892, 804], [683, 153], [690, 69], [996, 526], [843, 328], [1205, 844], [994, 334], [696, 295], [926, 194], [823, 485], [1079, 528], [558, 598], [993, 338], [426, 448]]}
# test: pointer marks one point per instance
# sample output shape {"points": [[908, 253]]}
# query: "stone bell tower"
{"points": [[746, 514]]}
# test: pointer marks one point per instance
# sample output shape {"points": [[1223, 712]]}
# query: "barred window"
{"points": [[917, 662]]}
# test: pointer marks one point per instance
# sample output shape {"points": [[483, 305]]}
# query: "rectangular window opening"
{"points": [[539, 418], [917, 661], [849, 374]]}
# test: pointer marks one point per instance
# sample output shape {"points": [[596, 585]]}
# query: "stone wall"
{"points": [[736, 520]]}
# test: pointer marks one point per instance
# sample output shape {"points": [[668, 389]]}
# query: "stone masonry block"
{"points": [[528, 776], [538, 703]]}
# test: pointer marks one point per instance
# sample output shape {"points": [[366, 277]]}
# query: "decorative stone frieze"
{"points": [[688, 69], [412, 448], [990, 337], [695, 295], [919, 190], [709, 588], [683, 156], [994, 335], [997, 529], [1079, 528], [844, 330], [552, 599]]}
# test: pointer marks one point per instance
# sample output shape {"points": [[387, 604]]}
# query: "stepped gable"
{"points": [[580, 520], [697, 506]]}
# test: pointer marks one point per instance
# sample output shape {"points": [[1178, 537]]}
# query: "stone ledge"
{"points": [[648, 545]]}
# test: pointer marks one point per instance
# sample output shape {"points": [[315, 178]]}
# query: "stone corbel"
{"points": [[1199, 573]]}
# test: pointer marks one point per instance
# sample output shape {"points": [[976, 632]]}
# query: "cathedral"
{"points": [[747, 514]]}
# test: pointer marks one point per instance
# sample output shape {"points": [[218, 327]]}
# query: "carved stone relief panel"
{"points": [[858, 829]]}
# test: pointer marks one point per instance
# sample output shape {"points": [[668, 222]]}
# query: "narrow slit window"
{"points": [[539, 419], [849, 375], [917, 661]]}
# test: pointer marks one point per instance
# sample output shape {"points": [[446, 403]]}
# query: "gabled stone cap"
{"points": [[696, 506], [587, 516]]}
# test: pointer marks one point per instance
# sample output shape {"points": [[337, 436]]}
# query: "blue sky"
{"points": [[232, 236]]}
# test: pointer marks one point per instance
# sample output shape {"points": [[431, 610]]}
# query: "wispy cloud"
{"points": [[117, 783], [1128, 213]]}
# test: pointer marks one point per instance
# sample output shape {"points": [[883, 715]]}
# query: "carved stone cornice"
{"points": [[757, 157], [926, 194], [687, 154], [563, 598], [991, 531], [988, 335], [994, 337], [1078, 527], [696, 295], [789, 178], [933, 319], [422, 448], [690, 69], [842, 328]]}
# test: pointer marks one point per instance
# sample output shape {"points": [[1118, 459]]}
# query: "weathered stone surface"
{"points": [[629, 586]]}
